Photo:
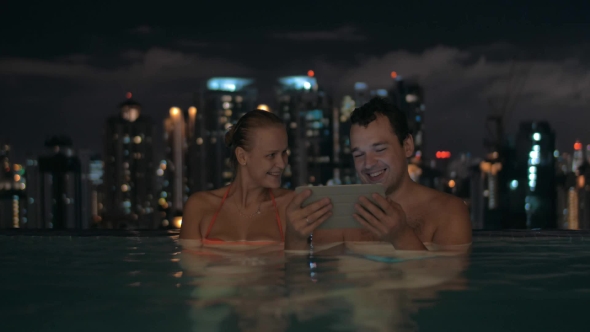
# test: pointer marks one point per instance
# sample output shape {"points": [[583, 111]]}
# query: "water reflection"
{"points": [[344, 287]]}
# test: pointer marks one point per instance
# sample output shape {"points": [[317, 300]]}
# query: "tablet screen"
{"points": [[343, 199]]}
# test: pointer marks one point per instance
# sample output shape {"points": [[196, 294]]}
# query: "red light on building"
{"points": [[393, 74], [128, 95], [443, 154], [577, 146], [310, 73]]}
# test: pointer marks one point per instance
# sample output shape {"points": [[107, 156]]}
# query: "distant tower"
{"points": [[129, 169], [308, 113], [578, 157], [12, 191], [61, 197], [178, 131], [535, 171], [409, 97], [220, 105], [345, 162]]}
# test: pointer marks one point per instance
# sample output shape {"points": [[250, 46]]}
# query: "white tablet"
{"points": [[343, 199]]}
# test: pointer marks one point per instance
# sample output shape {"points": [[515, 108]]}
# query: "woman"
{"points": [[250, 210]]}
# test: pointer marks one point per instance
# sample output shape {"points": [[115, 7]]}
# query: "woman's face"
{"points": [[267, 158]]}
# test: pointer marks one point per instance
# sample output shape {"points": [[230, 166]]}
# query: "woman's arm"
{"points": [[191, 219]]}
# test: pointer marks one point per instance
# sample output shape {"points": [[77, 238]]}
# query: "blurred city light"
{"points": [[229, 84], [298, 82]]}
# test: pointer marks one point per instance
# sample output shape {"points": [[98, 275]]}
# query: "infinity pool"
{"points": [[511, 281]]}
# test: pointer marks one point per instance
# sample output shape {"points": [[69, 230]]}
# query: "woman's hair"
{"points": [[240, 134]]}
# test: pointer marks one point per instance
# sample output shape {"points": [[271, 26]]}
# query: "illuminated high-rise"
{"points": [[178, 132], [129, 169], [343, 156], [60, 187], [12, 193], [309, 115], [578, 156], [534, 176], [92, 188], [409, 97], [220, 104]]}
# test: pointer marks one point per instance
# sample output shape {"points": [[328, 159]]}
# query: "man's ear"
{"points": [[241, 156], [408, 146]]}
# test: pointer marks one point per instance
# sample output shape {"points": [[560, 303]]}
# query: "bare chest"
{"points": [[230, 225], [417, 219]]}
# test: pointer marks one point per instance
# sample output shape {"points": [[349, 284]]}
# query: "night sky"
{"points": [[64, 69]]}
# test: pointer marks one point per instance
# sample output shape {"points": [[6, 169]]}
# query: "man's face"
{"points": [[378, 155]]}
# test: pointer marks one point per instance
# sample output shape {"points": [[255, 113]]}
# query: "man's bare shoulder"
{"points": [[450, 217], [440, 206]]}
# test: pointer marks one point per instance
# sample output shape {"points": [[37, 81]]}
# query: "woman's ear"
{"points": [[241, 156]]}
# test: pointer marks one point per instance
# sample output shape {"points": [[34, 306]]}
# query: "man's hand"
{"points": [[301, 222], [387, 220]]}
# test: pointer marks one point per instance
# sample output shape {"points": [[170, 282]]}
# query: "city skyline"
{"points": [[57, 79]]}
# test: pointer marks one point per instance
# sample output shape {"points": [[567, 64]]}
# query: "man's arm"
{"points": [[454, 230]]}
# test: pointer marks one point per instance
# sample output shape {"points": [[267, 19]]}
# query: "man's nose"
{"points": [[370, 160]]}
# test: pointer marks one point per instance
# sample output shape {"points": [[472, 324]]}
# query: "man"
{"points": [[410, 217]]}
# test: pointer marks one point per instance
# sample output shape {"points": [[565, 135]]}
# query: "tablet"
{"points": [[343, 199]]}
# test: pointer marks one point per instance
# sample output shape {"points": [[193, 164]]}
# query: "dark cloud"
{"points": [[149, 67], [193, 43], [345, 33], [142, 30], [459, 83], [75, 99], [459, 86]]}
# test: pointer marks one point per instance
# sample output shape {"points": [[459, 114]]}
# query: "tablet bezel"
{"points": [[343, 198]]}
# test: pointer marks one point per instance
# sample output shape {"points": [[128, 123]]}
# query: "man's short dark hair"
{"points": [[368, 113]]}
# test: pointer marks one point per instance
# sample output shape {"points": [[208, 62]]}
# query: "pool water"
{"points": [[115, 283]]}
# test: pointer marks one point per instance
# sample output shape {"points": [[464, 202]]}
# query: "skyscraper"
{"points": [[409, 97], [60, 187], [92, 188], [309, 114], [535, 174], [175, 190], [129, 169], [578, 156], [33, 194], [220, 105], [345, 161], [12, 194]]}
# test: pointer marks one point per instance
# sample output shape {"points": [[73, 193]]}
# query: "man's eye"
{"points": [[380, 150]]}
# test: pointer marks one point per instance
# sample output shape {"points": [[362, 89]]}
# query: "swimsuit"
{"points": [[206, 240]]}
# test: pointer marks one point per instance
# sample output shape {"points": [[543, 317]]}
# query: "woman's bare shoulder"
{"points": [[203, 199], [198, 206], [283, 195]]}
